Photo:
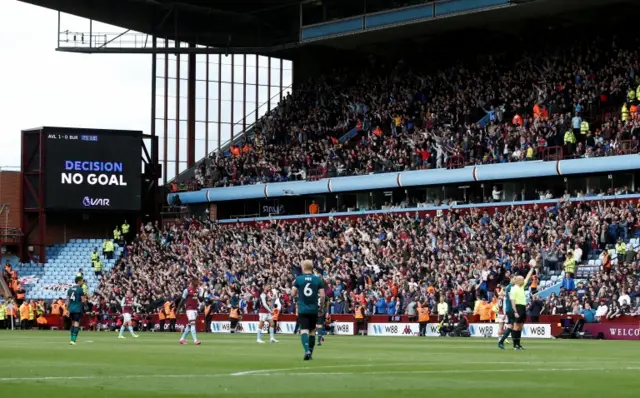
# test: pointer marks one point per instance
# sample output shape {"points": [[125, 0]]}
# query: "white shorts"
{"points": [[502, 318], [192, 315], [265, 317], [126, 317]]}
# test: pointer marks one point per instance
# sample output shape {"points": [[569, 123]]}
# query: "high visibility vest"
{"points": [[42, 320], [40, 309], [94, 257], [161, 314], [117, 234], [569, 137], [171, 314], [97, 266], [631, 95], [584, 127], [621, 248], [423, 314], [638, 91], [125, 228], [20, 296], [360, 312], [55, 309], [276, 314], [625, 113], [207, 309], [3, 312], [534, 282], [485, 311], [24, 312], [570, 265], [234, 313]]}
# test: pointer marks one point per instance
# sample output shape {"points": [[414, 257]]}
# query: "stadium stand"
{"points": [[388, 260], [51, 280], [566, 101]]}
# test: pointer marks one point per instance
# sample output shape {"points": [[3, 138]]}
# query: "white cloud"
{"points": [[42, 87]]}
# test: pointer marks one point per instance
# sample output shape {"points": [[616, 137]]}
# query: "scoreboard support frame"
{"points": [[32, 198]]}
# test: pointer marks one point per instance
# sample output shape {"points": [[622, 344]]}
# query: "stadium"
{"points": [[397, 197]]}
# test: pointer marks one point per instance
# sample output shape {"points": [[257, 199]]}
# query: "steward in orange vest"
{"points": [[423, 319], [234, 318]]}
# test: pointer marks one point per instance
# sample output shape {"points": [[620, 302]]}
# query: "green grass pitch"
{"points": [[42, 364]]}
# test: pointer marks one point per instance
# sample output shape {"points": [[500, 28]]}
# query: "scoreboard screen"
{"points": [[93, 169]]}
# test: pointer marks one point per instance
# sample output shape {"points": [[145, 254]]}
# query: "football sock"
{"points": [[271, 333], [505, 334], [304, 337], [260, 334], [131, 330], [193, 333], [185, 333], [312, 343], [74, 333], [121, 330]]}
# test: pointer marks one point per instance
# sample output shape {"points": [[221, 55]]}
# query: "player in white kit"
{"points": [[127, 303], [265, 315]]}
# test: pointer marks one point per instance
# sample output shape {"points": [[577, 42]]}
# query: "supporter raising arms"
{"points": [[477, 109], [460, 256]]}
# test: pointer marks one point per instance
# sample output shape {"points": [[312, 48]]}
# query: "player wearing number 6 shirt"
{"points": [[127, 303], [191, 296], [310, 291]]}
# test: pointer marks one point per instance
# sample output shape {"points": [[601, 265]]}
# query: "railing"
{"points": [[316, 174], [250, 129], [552, 153], [10, 235], [125, 39], [456, 162], [625, 147]]}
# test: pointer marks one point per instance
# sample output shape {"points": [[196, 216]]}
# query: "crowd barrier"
{"points": [[623, 328]]}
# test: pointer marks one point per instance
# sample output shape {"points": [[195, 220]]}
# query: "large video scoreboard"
{"points": [[93, 169]]}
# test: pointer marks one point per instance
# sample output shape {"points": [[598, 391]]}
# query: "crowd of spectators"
{"points": [[387, 262], [498, 108]]}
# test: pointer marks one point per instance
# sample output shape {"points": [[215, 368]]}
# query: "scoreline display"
{"points": [[93, 169]]}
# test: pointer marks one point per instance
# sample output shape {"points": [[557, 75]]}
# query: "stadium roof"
{"points": [[249, 23], [272, 26]]}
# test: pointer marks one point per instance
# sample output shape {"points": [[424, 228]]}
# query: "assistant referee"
{"points": [[518, 299]]}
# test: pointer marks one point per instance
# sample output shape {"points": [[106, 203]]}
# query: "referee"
{"points": [[519, 300]]}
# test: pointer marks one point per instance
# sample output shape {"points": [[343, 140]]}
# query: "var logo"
{"points": [[91, 202]]}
